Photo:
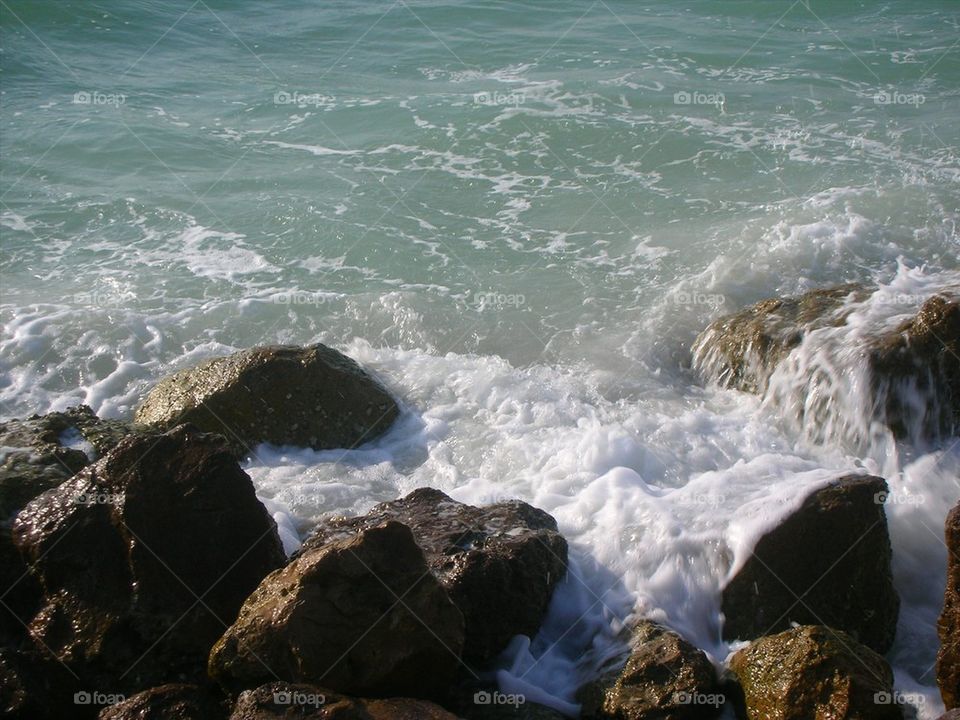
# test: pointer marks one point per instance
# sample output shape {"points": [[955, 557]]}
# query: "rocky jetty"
{"points": [[143, 579], [308, 396], [828, 562], [499, 563]]}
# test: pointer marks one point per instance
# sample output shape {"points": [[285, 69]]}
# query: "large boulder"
{"points": [[499, 563], [42, 451], [174, 701], [920, 355], [310, 396], [281, 700], [948, 658], [362, 616], [813, 672], [664, 677], [827, 563], [145, 557]]}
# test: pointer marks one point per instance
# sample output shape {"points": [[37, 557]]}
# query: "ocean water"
{"points": [[519, 216]]}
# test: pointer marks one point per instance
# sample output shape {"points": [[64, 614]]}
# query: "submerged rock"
{"points": [[362, 616], [908, 375], [948, 658], [280, 700], [309, 396], [664, 677], [814, 672], [828, 562], [36, 456], [499, 563], [167, 702], [145, 557], [922, 353], [743, 349]]}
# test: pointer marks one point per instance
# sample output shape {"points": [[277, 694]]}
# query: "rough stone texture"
{"points": [[743, 349], [167, 702], [280, 700], [311, 396], [332, 617], [35, 460], [948, 658], [834, 553], [664, 677], [920, 355], [124, 548], [499, 563], [814, 673]]}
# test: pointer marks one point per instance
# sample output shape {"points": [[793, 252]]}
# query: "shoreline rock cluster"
{"points": [[142, 578]]}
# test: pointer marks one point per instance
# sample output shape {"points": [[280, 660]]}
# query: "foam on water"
{"points": [[409, 176]]}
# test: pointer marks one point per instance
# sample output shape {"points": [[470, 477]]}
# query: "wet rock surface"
{"points": [[664, 677], [281, 700], [37, 458], [168, 702], [362, 616], [814, 673], [920, 357], [499, 563], [145, 557], [308, 396], [742, 349], [922, 353], [828, 562], [948, 627]]}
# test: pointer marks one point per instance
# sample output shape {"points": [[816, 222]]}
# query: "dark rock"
{"points": [[19, 592], [506, 711], [281, 700], [362, 616], [828, 562], [499, 563], [145, 558], [664, 677], [814, 672], [167, 702], [35, 458], [743, 349], [34, 686], [312, 396], [948, 658]]}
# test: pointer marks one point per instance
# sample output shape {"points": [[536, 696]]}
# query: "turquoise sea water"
{"points": [[520, 215]]}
